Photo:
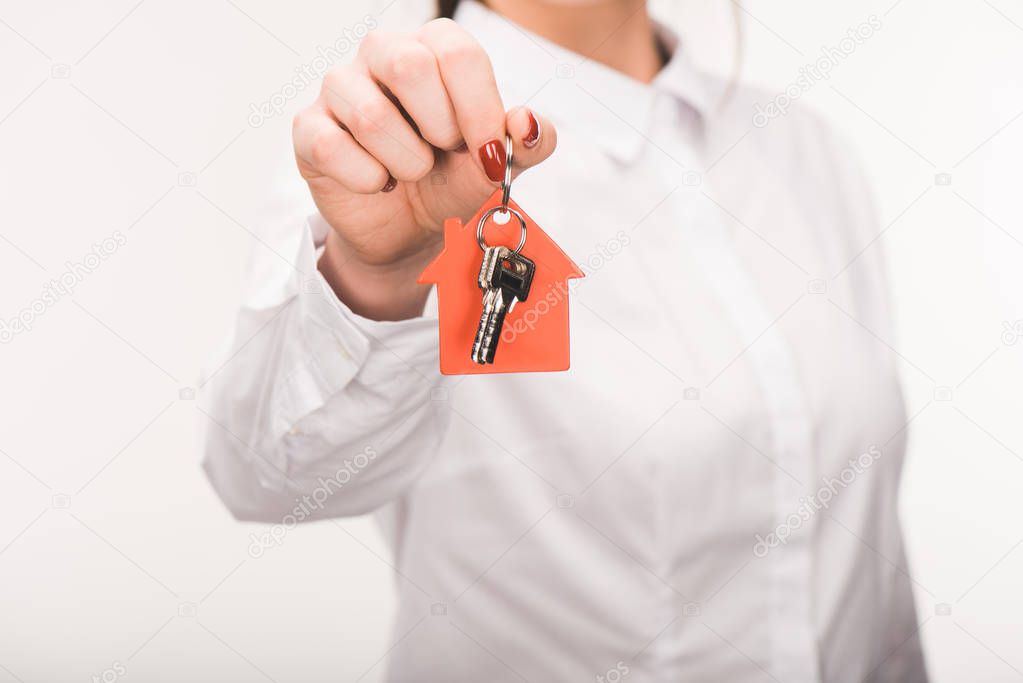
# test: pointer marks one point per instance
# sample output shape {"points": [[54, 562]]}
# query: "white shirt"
{"points": [[708, 494]]}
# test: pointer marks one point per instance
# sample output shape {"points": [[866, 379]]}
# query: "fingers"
{"points": [[333, 152], [409, 70], [379, 118], [469, 79], [375, 122], [534, 138]]}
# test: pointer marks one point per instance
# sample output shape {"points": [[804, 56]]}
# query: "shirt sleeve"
{"points": [[901, 642], [871, 299], [311, 410]]}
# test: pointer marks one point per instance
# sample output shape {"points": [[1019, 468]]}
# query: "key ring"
{"points": [[490, 212], [506, 184], [503, 207]]}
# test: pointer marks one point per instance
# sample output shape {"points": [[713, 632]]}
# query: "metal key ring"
{"points": [[490, 212], [507, 182]]}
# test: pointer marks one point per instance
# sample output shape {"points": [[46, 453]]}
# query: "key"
{"points": [[491, 258], [505, 278], [486, 275], [512, 278]]}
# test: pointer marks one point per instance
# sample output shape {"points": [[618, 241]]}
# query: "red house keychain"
{"points": [[502, 291]]}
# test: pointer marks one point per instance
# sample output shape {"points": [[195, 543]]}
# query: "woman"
{"points": [[710, 492]]}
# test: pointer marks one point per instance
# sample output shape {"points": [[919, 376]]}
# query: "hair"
{"points": [[446, 8]]}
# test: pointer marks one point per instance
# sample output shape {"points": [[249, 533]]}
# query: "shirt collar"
{"points": [[581, 94]]}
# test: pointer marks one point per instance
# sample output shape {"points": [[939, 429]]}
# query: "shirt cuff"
{"points": [[331, 346]]}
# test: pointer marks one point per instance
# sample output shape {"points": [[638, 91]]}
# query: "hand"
{"points": [[408, 135]]}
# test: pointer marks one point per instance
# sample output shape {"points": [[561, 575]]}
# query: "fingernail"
{"points": [[533, 135], [390, 185], [492, 155]]}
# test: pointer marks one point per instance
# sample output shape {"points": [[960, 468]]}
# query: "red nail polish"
{"points": [[492, 154], [533, 135], [390, 185]]}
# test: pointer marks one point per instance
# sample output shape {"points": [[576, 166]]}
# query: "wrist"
{"points": [[375, 291]]}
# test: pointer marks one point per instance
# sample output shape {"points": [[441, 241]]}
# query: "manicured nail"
{"points": [[492, 155], [533, 135], [391, 184]]}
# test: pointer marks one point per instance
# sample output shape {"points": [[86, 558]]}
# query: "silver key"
{"points": [[505, 278], [492, 299], [492, 257]]}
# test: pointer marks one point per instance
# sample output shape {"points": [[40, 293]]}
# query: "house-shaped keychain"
{"points": [[535, 333]]}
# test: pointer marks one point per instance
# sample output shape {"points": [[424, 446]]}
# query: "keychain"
{"points": [[502, 291]]}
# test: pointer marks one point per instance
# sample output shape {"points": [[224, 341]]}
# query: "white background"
{"points": [[115, 556]]}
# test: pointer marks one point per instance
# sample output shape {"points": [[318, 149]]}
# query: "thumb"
{"points": [[533, 138]]}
